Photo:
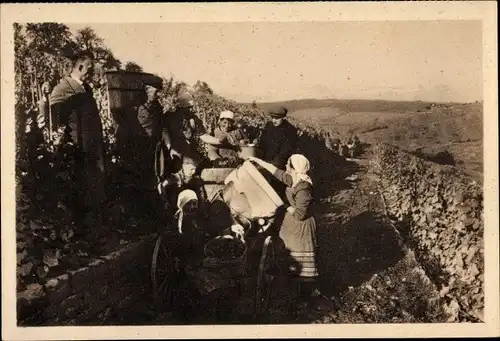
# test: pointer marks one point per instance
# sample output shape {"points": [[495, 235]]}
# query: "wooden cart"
{"points": [[246, 198]]}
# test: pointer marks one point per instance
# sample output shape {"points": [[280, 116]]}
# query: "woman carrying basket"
{"points": [[298, 230]]}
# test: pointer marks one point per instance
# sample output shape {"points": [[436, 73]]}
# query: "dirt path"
{"points": [[367, 274]]}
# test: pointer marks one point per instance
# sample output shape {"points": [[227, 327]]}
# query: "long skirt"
{"points": [[298, 251]]}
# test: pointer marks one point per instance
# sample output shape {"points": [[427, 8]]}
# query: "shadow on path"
{"points": [[352, 253], [329, 169]]}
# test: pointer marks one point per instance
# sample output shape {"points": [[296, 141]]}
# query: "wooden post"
{"points": [[33, 100], [50, 119], [46, 89]]}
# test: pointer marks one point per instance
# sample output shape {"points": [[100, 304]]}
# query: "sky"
{"points": [[272, 61]]}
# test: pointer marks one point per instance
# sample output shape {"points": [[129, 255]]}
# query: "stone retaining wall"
{"points": [[92, 293], [443, 209]]}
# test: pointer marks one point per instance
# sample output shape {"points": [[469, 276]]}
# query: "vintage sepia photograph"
{"points": [[248, 172]]}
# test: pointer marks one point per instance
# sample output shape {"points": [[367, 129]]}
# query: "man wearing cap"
{"points": [[278, 140], [150, 131], [184, 127], [147, 130], [229, 135]]}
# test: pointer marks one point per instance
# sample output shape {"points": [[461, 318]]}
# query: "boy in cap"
{"points": [[171, 185]]}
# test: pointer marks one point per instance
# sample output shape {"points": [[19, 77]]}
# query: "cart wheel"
{"points": [[264, 279], [164, 275]]}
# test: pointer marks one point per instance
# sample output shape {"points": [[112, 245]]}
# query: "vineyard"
{"points": [[438, 209], [443, 210]]}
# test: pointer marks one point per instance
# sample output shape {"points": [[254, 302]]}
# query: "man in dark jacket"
{"points": [[279, 138], [74, 107], [277, 143], [185, 132], [150, 131]]}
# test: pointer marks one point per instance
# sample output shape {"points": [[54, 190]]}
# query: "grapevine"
{"points": [[444, 209]]}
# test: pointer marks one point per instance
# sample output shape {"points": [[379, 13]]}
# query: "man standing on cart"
{"points": [[150, 132], [185, 131]]}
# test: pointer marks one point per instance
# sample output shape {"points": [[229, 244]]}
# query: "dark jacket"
{"points": [[150, 132], [181, 129], [150, 119], [184, 129], [232, 138], [277, 144], [74, 107]]}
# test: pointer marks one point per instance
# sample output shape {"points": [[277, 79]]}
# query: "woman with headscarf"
{"points": [[191, 226], [229, 135], [298, 229]]}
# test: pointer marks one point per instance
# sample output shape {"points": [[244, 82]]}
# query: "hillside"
{"points": [[422, 127]]}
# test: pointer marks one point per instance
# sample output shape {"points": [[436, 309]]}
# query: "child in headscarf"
{"points": [[189, 226], [298, 229]]}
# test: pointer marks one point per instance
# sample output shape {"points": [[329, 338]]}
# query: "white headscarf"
{"points": [[227, 114], [301, 166], [148, 88], [184, 197]]}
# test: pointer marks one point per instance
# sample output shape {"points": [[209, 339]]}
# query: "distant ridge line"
{"points": [[335, 100]]}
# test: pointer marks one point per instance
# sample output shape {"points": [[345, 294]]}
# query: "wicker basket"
{"points": [[234, 266]]}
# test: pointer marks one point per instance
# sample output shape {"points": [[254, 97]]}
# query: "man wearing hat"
{"points": [[184, 127], [149, 116], [278, 140], [147, 131]]}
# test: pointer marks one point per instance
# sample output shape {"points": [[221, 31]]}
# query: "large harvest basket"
{"points": [[125, 88], [232, 267]]}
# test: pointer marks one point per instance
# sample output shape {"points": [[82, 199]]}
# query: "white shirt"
{"points": [[77, 80]]}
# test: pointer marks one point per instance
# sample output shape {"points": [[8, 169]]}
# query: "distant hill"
{"points": [[352, 105], [419, 127]]}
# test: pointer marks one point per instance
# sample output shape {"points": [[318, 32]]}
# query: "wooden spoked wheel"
{"points": [[164, 275], [264, 279]]}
